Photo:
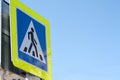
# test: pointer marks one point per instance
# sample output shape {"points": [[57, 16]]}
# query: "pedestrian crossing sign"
{"points": [[30, 41]]}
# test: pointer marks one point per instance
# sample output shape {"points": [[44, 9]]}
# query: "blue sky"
{"points": [[85, 37]]}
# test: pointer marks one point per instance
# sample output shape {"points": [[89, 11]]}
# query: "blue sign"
{"points": [[31, 38]]}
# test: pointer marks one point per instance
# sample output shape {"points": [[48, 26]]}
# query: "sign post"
{"points": [[30, 41], [0, 28]]}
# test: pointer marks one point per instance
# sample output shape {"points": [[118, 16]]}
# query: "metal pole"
{"points": [[0, 28]]}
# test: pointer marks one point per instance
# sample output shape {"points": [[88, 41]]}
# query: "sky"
{"points": [[85, 37]]}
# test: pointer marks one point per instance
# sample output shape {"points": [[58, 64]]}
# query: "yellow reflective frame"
{"points": [[14, 46]]}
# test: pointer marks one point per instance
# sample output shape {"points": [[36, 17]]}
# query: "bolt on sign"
{"points": [[30, 41]]}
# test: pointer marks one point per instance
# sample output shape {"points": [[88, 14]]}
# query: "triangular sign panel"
{"points": [[31, 45]]}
